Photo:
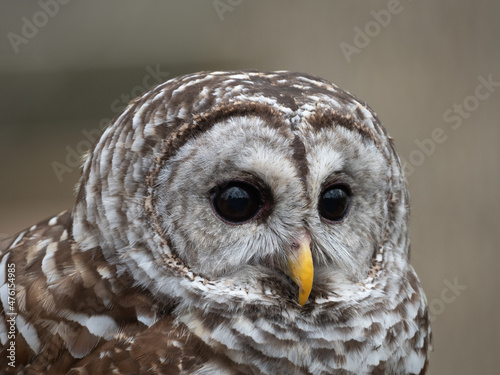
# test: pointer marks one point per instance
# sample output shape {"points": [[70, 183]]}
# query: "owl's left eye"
{"points": [[236, 202], [334, 202]]}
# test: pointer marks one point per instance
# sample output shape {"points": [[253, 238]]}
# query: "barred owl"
{"points": [[225, 223]]}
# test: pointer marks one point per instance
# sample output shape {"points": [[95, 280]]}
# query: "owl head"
{"points": [[259, 188]]}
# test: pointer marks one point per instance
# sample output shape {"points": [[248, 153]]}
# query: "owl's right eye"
{"points": [[236, 202]]}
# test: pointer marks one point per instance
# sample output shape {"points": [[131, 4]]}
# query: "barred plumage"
{"points": [[146, 275]]}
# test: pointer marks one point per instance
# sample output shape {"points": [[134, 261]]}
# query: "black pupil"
{"points": [[334, 203], [237, 202]]}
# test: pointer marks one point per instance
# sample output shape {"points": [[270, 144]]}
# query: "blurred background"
{"points": [[429, 69]]}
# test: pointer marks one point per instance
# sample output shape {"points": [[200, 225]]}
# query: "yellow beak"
{"points": [[301, 269]]}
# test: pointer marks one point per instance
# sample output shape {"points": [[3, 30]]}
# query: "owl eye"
{"points": [[334, 202], [236, 202]]}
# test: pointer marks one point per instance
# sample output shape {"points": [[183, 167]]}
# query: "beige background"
{"points": [[428, 56]]}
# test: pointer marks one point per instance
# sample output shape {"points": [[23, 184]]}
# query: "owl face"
{"points": [[230, 185], [238, 202]]}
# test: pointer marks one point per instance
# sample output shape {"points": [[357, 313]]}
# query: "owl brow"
{"points": [[330, 117], [205, 121]]}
